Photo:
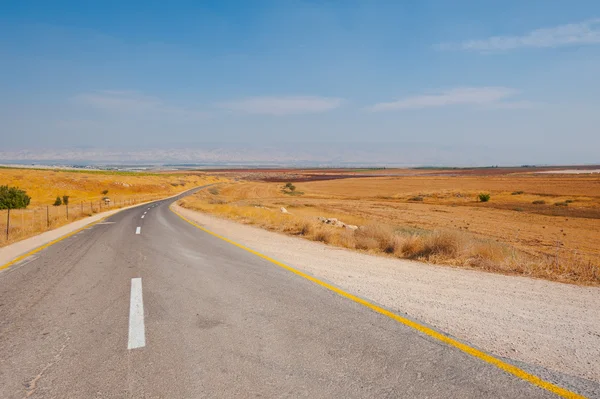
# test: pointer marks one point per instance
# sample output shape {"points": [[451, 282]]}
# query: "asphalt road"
{"points": [[216, 321]]}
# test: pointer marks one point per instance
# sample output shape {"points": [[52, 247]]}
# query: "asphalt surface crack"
{"points": [[31, 386]]}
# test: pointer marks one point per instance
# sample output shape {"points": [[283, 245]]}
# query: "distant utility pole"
{"points": [[7, 223]]}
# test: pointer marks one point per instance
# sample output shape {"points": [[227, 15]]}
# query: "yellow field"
{"points": [[84, 189], [508, 234]]}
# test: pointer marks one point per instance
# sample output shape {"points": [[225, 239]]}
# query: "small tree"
{"points": [[13, 198], [57, 201], [290, 186], [484, 197], [104, 192], [65, 199]]}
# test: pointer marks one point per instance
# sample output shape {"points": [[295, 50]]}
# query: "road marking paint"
{"points": [[508, 368], [143, 216], [138, 230], [106, 223], [38, 249], [59, 239], [137, 330]]}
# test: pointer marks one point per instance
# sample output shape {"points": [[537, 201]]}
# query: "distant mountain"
{"points": [[288, 154]]}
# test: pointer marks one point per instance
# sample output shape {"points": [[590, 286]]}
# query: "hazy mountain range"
{"points": [[298, 154]]}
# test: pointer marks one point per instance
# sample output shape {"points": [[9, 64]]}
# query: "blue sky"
{"points": [[516, 80]]}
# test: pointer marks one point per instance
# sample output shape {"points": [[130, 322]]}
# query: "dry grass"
{"points": [[84, 189], [382, 230]]}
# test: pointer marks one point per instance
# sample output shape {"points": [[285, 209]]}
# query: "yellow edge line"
{"points": [[509, 368], [38, 249]]}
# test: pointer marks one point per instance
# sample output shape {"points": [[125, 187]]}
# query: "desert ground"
{"points": [[537, 224]]}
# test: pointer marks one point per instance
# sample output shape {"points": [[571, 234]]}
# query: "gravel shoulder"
{"points": [[551, 325]]}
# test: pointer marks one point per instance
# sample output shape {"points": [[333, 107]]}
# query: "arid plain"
{"points": [[537, 224]]}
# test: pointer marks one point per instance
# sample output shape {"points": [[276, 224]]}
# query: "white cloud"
{"points": [[125, 101], [582, 33], [487, 96], [283, 105]]}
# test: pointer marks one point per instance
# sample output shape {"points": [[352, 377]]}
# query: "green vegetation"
{"points": [[518, 192], [290, 189], [484, 197], [538, 202], [65, 199], [57, 202], [13, 198]]}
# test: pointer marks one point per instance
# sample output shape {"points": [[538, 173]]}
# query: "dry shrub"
{"points": [[489, 251], [346, 239], [306, 227], [376, 237], [322, 234], [411, 245], [445, 243], [366, 243], [441, 246]]}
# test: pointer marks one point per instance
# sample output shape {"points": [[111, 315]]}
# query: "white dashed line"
{"points": [[143, 216], [138, 230], [137, 331]]}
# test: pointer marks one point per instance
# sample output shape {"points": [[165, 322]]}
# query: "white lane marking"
{"points": [[145, 212], [148, 208], [143, 216], [106, 223], [137, 331], [138, 230]]}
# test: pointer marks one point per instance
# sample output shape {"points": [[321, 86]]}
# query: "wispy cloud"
{"points": [[582, 33], [483, 96], [126, 101], [282, 105]]}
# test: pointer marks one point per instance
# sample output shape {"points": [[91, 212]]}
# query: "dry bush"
{"points": [[449, 247], [322, 234], [376, 237], [346, 239], [306, 227], [489, 251], [445, 243], [411, 245]]}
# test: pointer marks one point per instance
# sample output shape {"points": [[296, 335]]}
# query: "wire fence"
{"points": [[17, 224]]}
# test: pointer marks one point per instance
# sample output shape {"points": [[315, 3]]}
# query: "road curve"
{"points": [[145, 305]]}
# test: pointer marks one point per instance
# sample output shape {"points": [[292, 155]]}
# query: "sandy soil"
{"points": [[552, 325]]}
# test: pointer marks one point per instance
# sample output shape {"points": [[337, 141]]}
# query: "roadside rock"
{"points": [[337, 223], [283, 210]]}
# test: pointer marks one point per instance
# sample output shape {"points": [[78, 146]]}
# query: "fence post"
{"points": [[67, 208], [47, 216], [82, 207], [7, 223]]}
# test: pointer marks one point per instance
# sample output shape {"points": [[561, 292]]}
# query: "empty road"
{"points": [[146, 305]]}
